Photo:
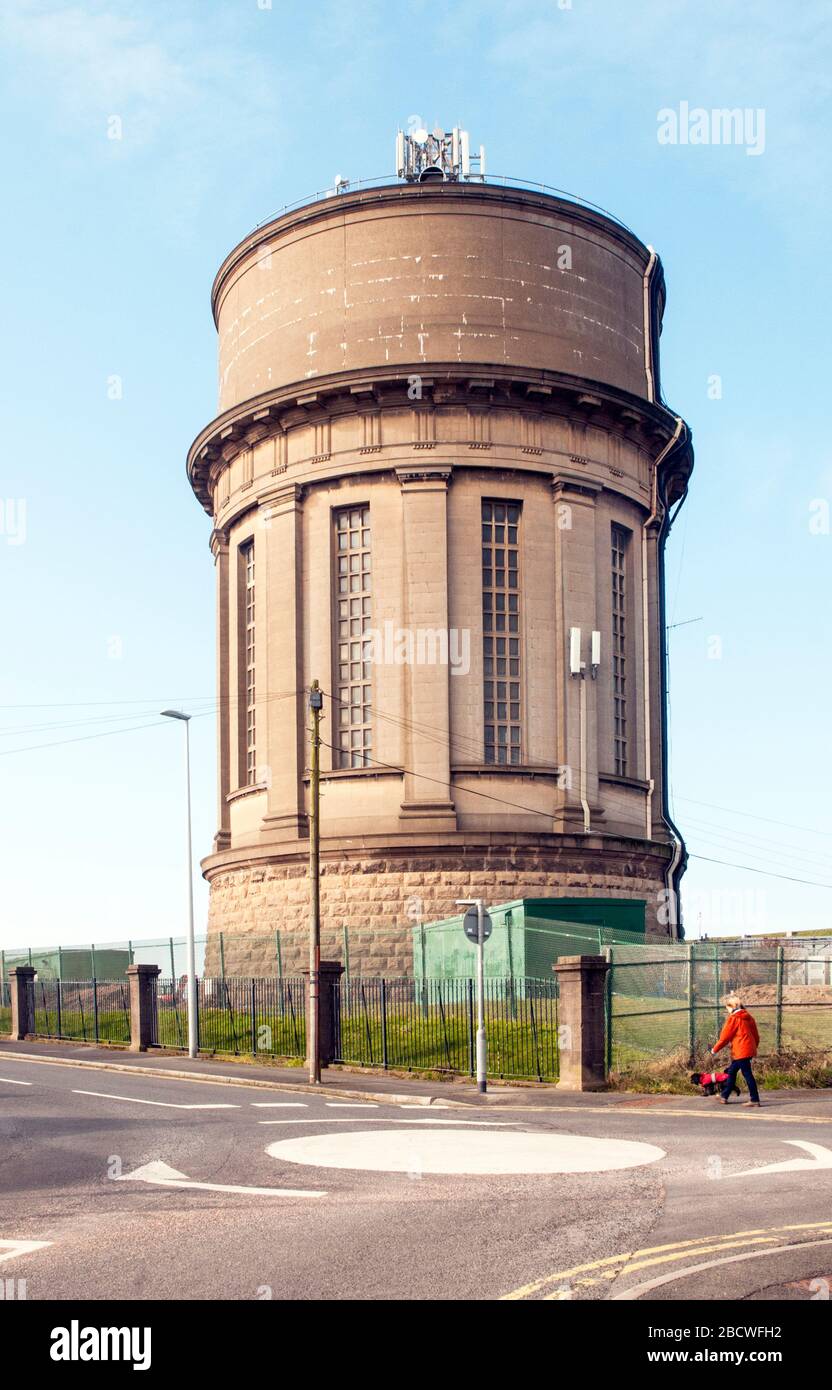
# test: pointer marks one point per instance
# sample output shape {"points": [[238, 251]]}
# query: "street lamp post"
{"points": [[192, 1004]]}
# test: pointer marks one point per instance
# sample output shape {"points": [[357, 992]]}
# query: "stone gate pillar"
{"points": [[143, 1006], [581, 984], [20, 981], [328, 977]]}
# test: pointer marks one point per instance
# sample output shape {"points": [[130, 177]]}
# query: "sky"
{"points": [[143, 141]]}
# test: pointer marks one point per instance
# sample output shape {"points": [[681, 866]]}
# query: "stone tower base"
{"points": [[379, 896]]}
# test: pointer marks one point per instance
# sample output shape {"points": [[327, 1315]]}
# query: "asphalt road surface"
{"points": [[124, 1185]]}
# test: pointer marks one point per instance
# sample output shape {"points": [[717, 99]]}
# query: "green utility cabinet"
{"points": [[529, 935]]}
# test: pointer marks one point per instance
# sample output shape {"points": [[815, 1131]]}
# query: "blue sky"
{"points": [[230, 108]]}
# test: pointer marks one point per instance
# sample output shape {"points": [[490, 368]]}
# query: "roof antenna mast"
{"points": [[438, 156]]}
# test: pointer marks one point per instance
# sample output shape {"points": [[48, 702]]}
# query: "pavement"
{"points": [[123, 1178]]}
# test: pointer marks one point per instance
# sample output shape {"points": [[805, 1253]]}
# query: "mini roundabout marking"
{"points": [[486, 1153]]}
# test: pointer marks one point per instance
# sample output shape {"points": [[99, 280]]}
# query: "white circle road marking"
{"points": [[460, 1151]]}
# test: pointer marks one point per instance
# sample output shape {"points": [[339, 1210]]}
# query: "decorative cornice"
{"points": [[607, 852], [344, 393]]}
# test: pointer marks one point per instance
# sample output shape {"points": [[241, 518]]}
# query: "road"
{"points": [[163, 1188]]}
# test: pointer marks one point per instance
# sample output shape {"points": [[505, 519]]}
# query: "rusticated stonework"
{"points": [[379, 900]]}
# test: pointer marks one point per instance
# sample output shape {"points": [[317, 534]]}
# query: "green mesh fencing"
{"points": [[665, 1004]]}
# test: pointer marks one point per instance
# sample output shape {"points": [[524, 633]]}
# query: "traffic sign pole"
{"points": [[478, 926], [482, 1056]]}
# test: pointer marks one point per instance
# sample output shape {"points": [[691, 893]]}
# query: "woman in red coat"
{"points": [[742, 1033]]}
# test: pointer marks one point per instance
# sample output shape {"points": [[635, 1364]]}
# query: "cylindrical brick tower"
{"points": [[440, 483]]}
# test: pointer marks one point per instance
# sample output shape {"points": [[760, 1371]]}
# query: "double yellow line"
{"points": [[600, 1271]]}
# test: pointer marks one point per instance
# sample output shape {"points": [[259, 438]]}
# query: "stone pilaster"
{"points": [[283, 710], [219, 549], [576, 606], [427, 798]]}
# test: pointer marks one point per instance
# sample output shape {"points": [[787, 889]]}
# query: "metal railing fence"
{"points": [[402, 1024], [244, 1016], [393, 180], [430, 1025], [86, 1010]]}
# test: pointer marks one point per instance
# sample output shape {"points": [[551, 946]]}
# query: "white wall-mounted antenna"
{"points": [[595, 655], [576, 666]]}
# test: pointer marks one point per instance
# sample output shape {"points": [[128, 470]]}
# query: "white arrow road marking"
{"points": [[161, 1175], [166, 1104], [11, 1249], [821, 1158]]}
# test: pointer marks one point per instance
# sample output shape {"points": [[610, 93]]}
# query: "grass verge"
{"points": [[670, 1074]]}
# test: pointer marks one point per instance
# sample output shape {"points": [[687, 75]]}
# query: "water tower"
{"points": [[441, 478]]}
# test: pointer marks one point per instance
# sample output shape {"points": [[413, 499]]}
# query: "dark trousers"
{"points": [[743, 1065]]}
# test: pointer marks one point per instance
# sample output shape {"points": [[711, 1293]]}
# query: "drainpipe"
{"points": [[677, 864], [659, 507], [647, 290], [645, 621]]}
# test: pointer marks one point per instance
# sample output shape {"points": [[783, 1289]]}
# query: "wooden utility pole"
{"points": [[313, 1030]]}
